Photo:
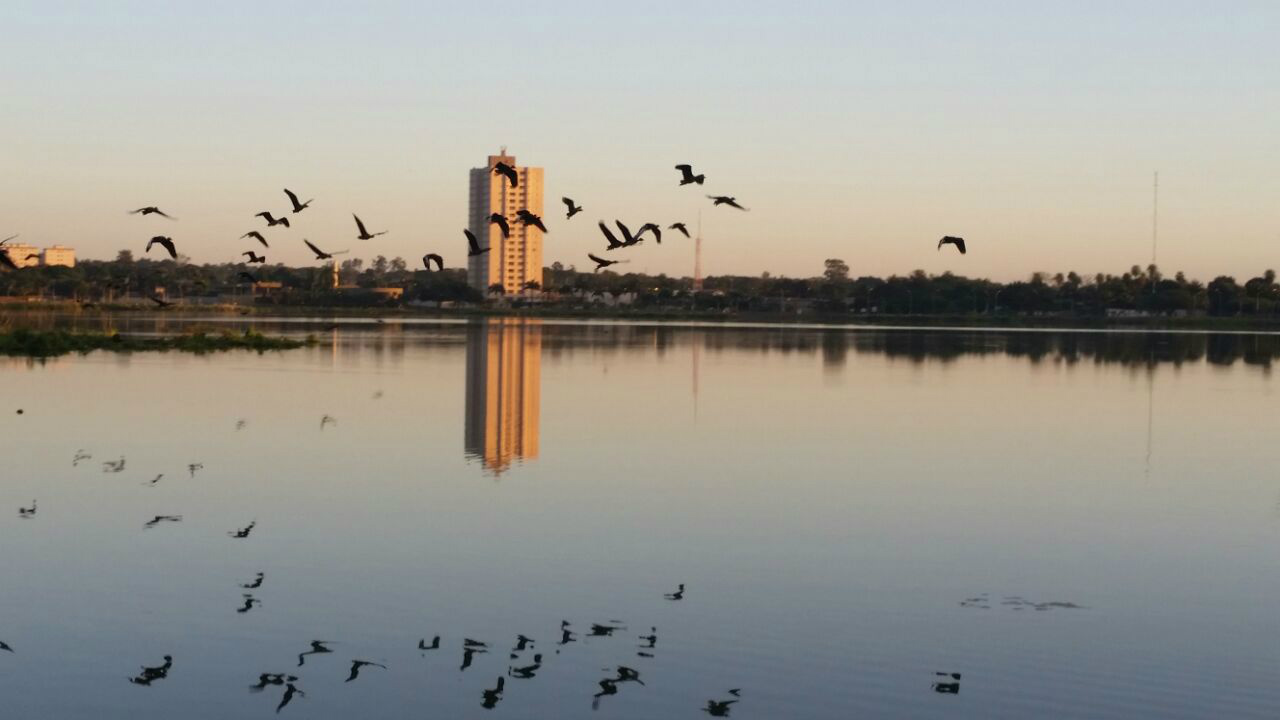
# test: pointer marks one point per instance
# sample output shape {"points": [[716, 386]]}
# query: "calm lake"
{"points": [[1077, 524]]}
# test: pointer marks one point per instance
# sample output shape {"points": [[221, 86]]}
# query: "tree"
{"points": [[399, 265], [497, 289], [837, 271], [380, 265], [125, 257]]}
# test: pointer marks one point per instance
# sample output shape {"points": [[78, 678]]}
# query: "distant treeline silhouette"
{"points": [[1139, 290]]}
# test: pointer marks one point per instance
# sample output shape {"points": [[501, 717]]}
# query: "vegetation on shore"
{"points": [[52, 343]]}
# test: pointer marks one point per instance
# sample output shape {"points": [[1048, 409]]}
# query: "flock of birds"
{"points": [[524, 658], [623, 239]]}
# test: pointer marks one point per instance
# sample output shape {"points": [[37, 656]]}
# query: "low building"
{"points": [[58, 255], [23, 255]]}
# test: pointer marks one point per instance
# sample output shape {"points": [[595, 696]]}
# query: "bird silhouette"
{"points": [[32, 256], [491, 697], [257, 582], [254, 257], [614, 244], [151, 674], [952, 240], [609, 686], [320, 254], [161, 518], [598, 630], [164, 242], [318, 647], [473, 245], [27, 512], [426, 261], [266, 679], [194, 467], [468, 642], [522, 642], [297, 206], [601, 263], [249, 602], [247, 277], [529, 218], [272, 221], [677, 595], [256, 236], [149, 210], [80, 456], [566, 635], [627, 238], [156, 480], [244, 531], [365, 234], [651, 227], [7, 261], [357, 664], [681, 227], [726, 200], [5, 647], [501, 168], [501, 221], [113, 466], [651, 638], [289, 691], [159, 302], [718, 708], [528, 671], [469, 650], [435, 644], [572, 209], [328, 420], [687, 176]]}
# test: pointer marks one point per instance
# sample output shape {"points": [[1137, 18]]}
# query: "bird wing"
{"points": [[567, 201], [960, 245], [314, 249], [686, 171], [626, 232], [472, 241], [264, 215], [292, 198], [360, 224], [942, 242], [613, 241], [162, 213], [284, 221], [7, 261], [599, 261]]}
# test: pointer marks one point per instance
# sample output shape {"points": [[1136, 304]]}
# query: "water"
{"points": [[850, 513]]}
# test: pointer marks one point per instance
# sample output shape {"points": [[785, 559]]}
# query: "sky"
{"points": [[858, 130]]}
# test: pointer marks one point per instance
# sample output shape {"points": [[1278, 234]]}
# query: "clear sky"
{"points": [[855, 130]]}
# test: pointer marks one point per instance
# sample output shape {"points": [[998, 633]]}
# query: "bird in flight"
{"points": [[601, 263], [151, 210], [609, 236], [326, 420], [491, 697], [289, 691], [680, 227], [151, 674], [159, 302], [243, 532], [505, 170], [297, 206], [317, 648], [572, 209], [528, 671], [5, 646], [627, 238], [31, 256], [254, 257], [257, 583], [249, 602], [161, 518], [657, 231], [952, 240], [426, 261], [365, 234], [248, 277], [320, 254], [726, 200], [677, 595], [435, 644], [164, 242], [687, 176], [266, 679], [271, 221], [529, 218], [473, 245], [256, 236], [27, 512], [501, 221], [357, 664]]}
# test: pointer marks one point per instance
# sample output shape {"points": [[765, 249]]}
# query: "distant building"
{"points": [[504, 389], [23, 255], [517, 260], [58, 255]]}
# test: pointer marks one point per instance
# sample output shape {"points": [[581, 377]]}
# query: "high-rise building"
{"points": [[504, 390], [58, 255], [515, 261]]}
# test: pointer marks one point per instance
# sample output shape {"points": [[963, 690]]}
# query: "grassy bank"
{"points": [[52, 343]]}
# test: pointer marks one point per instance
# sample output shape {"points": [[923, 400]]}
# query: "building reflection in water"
{"points": [[504, 379]]}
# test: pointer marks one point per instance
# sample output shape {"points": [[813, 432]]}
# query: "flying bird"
{"points": [[164, 242], [601, 263], [473, 245], [365, 234], [28, 512], [680, 227], [726, 200], [426, 261], [159, 302], [505, 170], [151, 210], [289, 691], [677, 595], [271, 221], [257, 583], [161, 518], [256, 236], [5, 646], [32, 255], [243, 532], [320, 254], [627, 238], [357, 664], [687, 176], [613, 241], [435, 644], [248, 277], [529, 218], [572, 209], [501, 221], [491, 697], [297, 206], [249, 602], [254, 257], [657, 231], [952, 240], [317, 648], [151, 674]]}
